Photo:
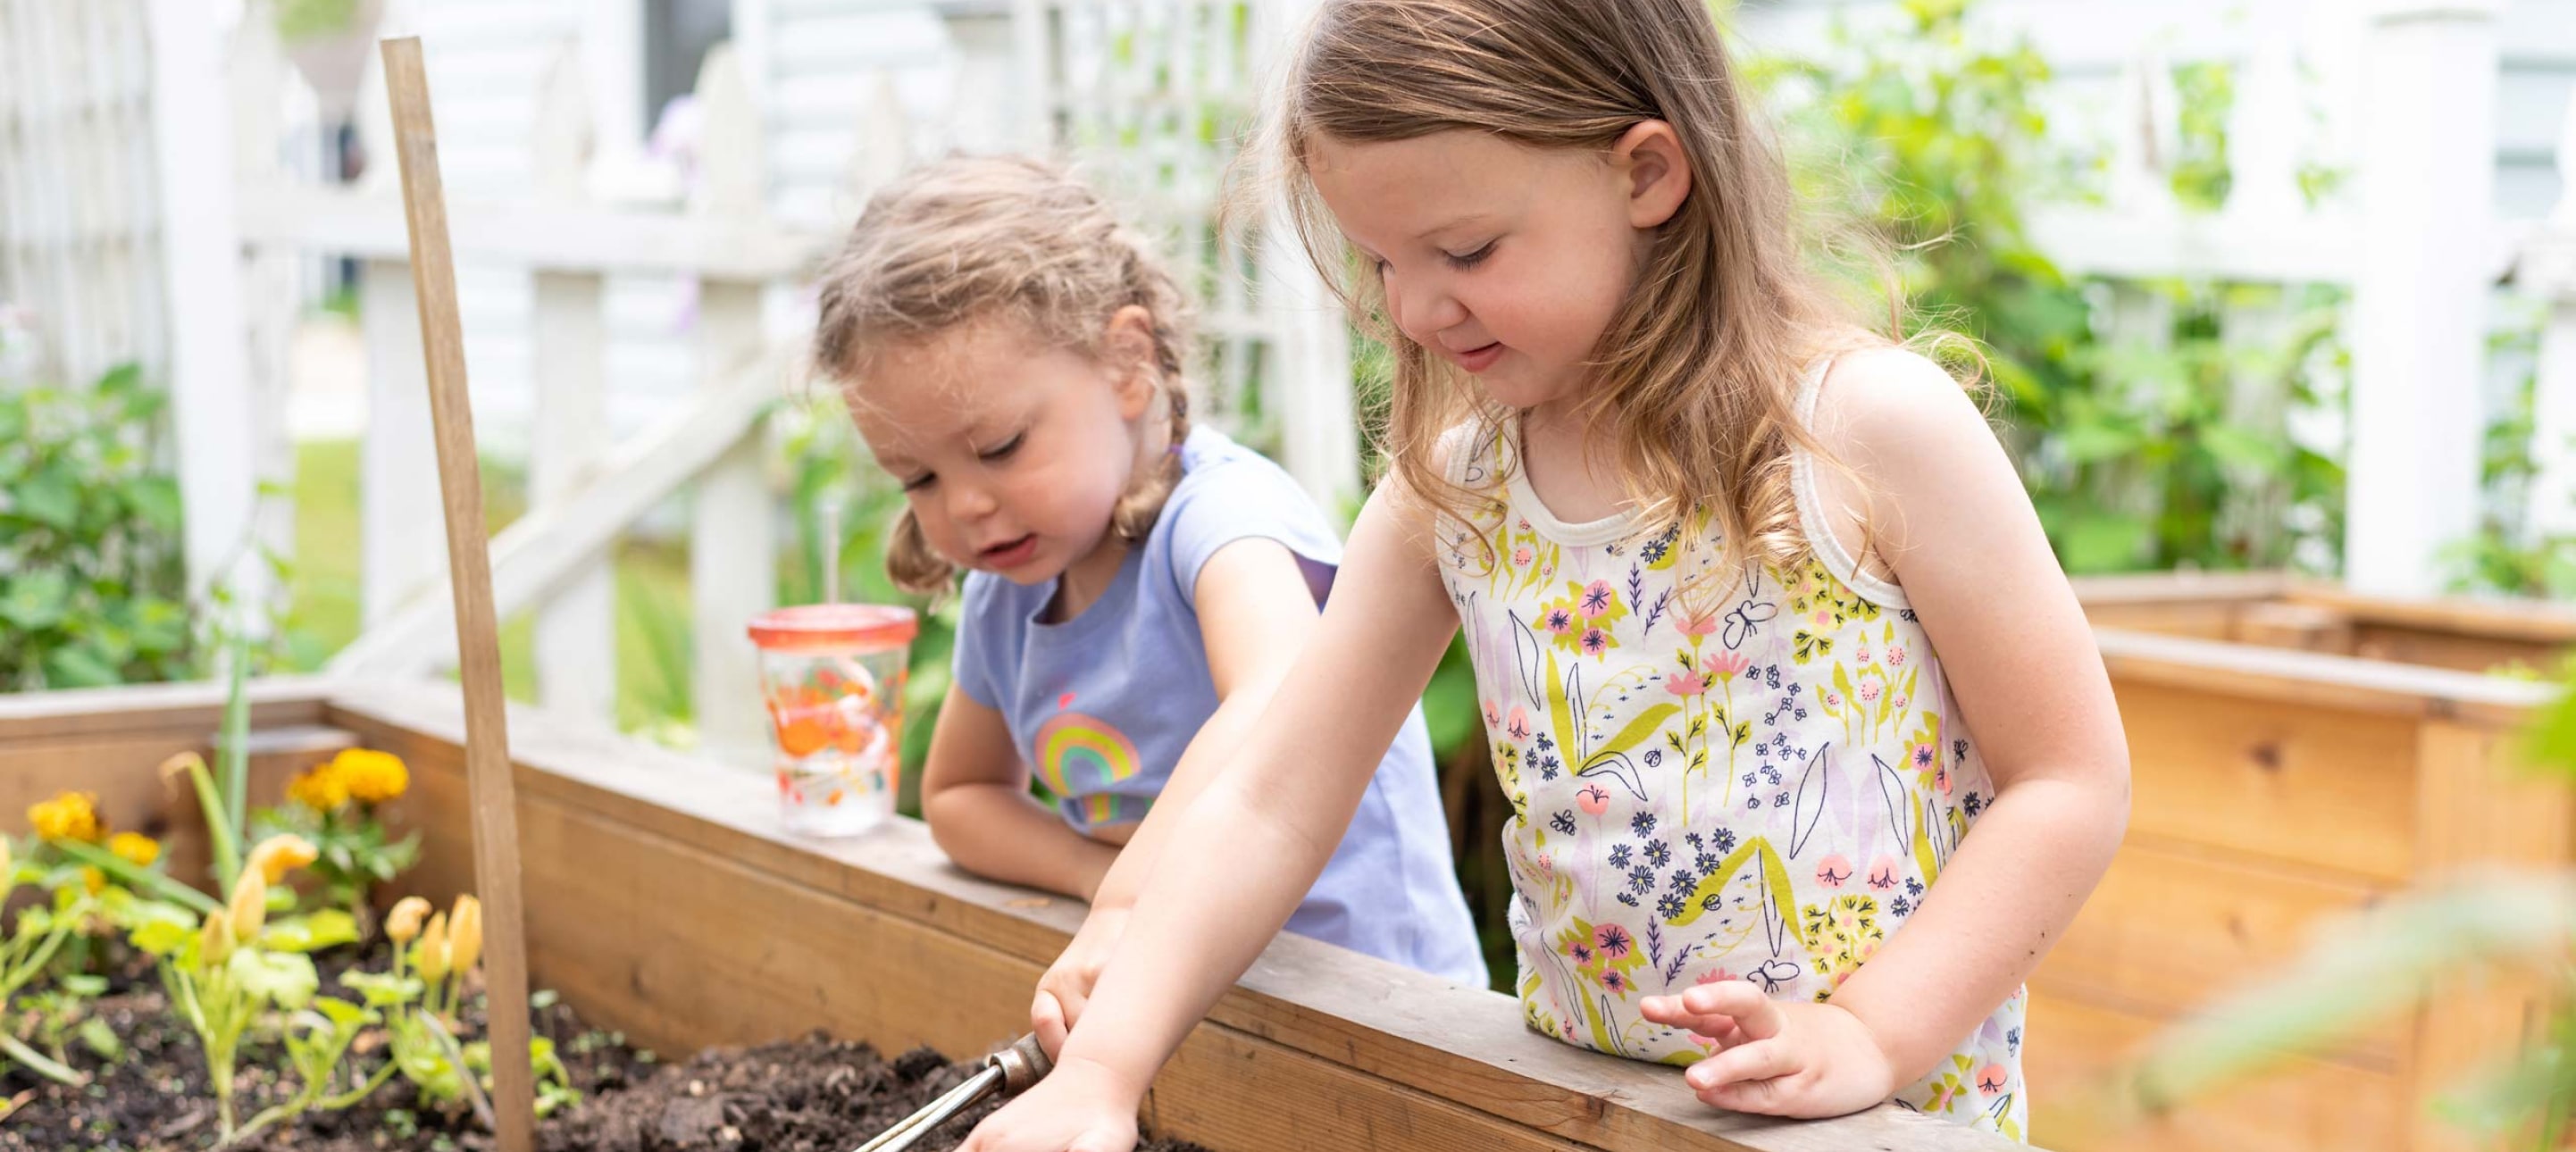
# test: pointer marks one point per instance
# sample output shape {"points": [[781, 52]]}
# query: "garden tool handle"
{"points": [[1007, 1072], [1024, 1063]]}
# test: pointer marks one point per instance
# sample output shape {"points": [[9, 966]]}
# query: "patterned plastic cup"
{"points": [[833, 677]]}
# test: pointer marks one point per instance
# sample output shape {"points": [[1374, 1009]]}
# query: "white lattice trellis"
{"points": [[79, 210], [1154, 98]]}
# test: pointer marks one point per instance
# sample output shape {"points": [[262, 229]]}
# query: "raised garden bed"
{"points": [[2274, 610], [663, 903], [2297, 752]]}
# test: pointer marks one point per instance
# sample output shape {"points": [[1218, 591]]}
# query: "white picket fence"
{"points": [[1270, 329], [2416, 242]]}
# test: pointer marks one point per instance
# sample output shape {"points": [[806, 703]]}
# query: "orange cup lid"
{"points": [[834, 626]]}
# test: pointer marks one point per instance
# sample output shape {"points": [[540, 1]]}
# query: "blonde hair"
{"points": [[976, 240], [1725, 316]]}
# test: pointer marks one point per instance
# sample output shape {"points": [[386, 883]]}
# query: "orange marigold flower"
{"points": [[319, 788], [371, 777], [136, 848], [68, 816]]}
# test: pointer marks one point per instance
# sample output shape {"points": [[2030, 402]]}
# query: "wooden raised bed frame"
{"points": [[663, 902], [2296, 752]]}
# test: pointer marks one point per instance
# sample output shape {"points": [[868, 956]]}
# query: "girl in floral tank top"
{"points": [[1811, 752], [1711, 779]]}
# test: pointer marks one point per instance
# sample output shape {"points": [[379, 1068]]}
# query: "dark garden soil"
{"points": [[810, 1095]]}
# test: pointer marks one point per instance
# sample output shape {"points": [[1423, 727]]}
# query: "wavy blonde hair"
{"points": [[1725, 315], [974, 240]]}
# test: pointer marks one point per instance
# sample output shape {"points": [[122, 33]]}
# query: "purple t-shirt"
{"points": [[1102, 705]]}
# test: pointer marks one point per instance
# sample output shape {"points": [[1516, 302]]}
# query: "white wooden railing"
{"points": [[2414, 237], [585, 491], [2546, 268], [1273, 329], [2415, 241]]}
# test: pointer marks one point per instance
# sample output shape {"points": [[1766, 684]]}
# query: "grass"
{"points": [[324, 614]]}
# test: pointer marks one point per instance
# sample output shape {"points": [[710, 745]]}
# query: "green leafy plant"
{"points": [[333, 806], [52, 1017], [228, 969], [38, 933], [92, 582], [421, 995], [2140, 452], [2507, 555], [317, 1039]]}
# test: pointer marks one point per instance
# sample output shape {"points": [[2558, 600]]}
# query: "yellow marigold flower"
{"points": [[319, 788], [249, 910], [136, 848], [369, 776], [404, 921], [94, 880], [279, 855], [465, 934], [68, 816], [430, 955]]}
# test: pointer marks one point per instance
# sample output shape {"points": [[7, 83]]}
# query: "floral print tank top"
{"points": [[1759, 786]]}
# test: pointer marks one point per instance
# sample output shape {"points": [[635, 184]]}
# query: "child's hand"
{"points": [[1066, 987], [1081, 1106], [1800, 1060]]}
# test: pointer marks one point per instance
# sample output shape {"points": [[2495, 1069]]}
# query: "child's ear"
{"points": [[1128, 345], [1658, 173]]}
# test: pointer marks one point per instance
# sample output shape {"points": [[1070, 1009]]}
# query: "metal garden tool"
{"points": [[1008, 1072]]}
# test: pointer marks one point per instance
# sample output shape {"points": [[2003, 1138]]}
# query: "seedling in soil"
{"points": [[423, 1000], [39, 933], [236, 967]]}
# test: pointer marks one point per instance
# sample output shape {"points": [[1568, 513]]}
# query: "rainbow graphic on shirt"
{"points": [[1080, 757]]}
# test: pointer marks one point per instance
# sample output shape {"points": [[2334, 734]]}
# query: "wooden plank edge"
{"points": [[2350, 682], [2491, 617], [124, 710], [2212, 588], [1304, 995]]}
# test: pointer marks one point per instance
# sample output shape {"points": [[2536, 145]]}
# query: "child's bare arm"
{"points": [[975, 795], [1273, 817], [1956, 527], [1967, 546], [1255, 614]]}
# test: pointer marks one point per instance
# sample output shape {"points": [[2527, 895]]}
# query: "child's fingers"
{"points": [[1721, 1029], [1670, 1012], [1744, 1064], [1046, 1018], [1758, 1015]]}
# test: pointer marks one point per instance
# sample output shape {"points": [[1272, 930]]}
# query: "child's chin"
{"points": [[1515, 390], [1028, 575]]}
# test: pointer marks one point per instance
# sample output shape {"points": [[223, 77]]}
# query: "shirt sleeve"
{"points": [[1238, 502]]}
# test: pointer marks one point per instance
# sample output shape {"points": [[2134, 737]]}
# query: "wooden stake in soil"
{"points": [[478, 648]]}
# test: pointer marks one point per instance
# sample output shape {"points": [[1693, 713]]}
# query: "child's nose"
{"points": [[970, 502], [1424, 308]]}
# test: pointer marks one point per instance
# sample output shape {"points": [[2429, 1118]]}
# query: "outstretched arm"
{"points": [[1273, 817]]}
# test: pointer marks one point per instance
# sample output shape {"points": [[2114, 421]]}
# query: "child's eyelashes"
{"points": [[995, 454], [1458, 260], [1466, 260]]}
